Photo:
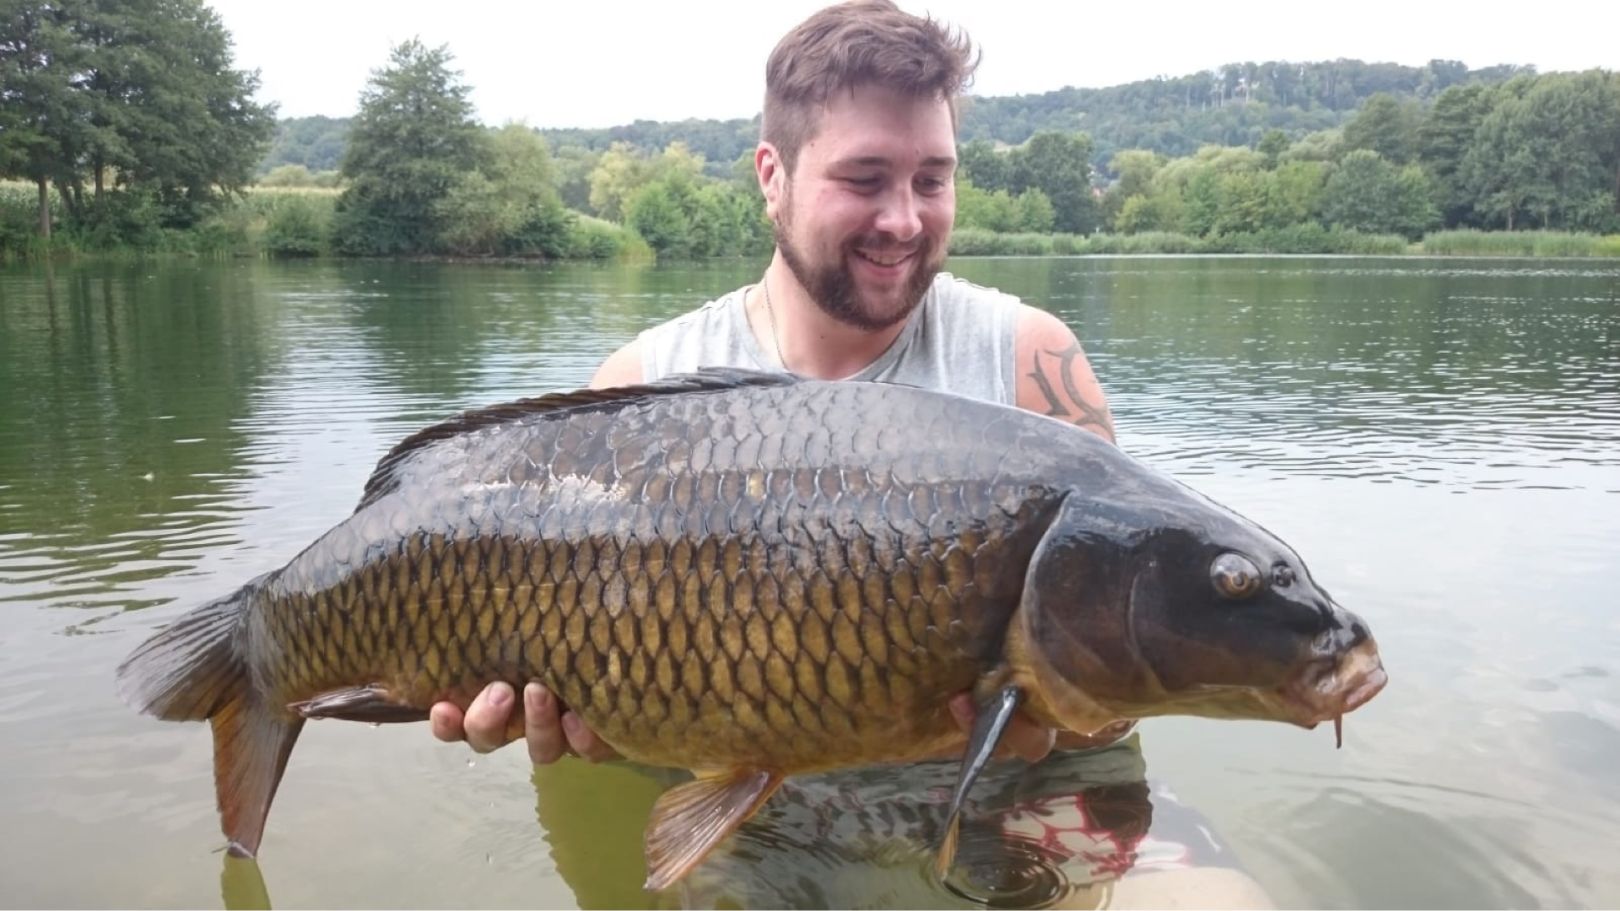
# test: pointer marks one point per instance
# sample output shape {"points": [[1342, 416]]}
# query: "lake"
{"points": [[1438, 438]]}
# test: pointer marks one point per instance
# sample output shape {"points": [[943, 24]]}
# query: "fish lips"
{"points": [[1330, 687]]}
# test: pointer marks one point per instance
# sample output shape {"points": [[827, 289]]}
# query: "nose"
{"points": [[899, 217]]}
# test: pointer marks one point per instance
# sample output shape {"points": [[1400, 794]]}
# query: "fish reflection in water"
{"points": [[1059, 832]]}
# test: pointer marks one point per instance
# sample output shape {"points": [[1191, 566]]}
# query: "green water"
{"points": [[1439, 438]]}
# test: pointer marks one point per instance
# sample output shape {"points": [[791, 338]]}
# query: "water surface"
{"points": [[1439, 438]]}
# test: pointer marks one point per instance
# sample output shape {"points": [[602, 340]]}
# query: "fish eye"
{"points": [[1282, 576], [1235, 576]]}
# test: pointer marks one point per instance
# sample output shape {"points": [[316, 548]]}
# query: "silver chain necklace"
{"points": [[770, 313]]}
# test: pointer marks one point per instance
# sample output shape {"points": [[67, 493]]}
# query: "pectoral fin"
{"points": [[362, 703], [690, 819], [988, 726]]}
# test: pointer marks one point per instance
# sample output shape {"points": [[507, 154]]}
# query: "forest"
{"points": [[100, 150]]}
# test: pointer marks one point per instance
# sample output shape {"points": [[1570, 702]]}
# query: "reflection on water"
{"points": [[1064, 830], [1439, 438]]}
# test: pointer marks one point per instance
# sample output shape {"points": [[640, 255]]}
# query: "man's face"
{"points": [[864, 219]]}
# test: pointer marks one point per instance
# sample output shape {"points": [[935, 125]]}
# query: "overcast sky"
{"points": [[594, 63]]}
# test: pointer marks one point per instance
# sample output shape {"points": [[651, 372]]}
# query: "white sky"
{"points": [[596, 63]]}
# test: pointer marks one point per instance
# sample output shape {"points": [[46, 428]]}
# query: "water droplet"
{"points": [[471, 763]]}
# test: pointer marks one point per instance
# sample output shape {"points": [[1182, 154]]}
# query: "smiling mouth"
{"points": [[884, 260]]}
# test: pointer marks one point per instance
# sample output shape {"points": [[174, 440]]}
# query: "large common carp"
{"points": [[753, 576]]}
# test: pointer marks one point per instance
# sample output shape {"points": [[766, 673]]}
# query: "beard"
{"points": [[832, 286]]}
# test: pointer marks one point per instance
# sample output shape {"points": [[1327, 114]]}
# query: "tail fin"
{"points": [[195, 669]]}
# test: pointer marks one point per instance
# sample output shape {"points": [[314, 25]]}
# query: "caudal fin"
{"points": [[194, 670]]}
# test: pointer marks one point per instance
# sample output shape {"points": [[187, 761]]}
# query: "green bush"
{"points": [[1145, 242], [1557, 243], [232, 231], [298, 225], [979, 242], [1520, 243], [122, 219], [593, 238]]}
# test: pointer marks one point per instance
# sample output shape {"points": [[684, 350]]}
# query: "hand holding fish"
{"points": [[489, 723]]}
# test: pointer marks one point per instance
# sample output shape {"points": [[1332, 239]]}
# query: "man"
{"points": [[856, 162]]}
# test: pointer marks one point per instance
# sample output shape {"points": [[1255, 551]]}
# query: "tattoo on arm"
{"points": [[1077, 410]]}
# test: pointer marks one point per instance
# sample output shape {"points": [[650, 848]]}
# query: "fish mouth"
{"points": [[1326, 691]]}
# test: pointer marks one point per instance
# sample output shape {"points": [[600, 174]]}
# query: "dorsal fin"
{"points": [[709, 379]]}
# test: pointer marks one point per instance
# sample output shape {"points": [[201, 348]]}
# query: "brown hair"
{"points": [[863, 42]]}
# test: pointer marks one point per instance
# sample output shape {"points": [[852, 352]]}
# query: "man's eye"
{"points": [[932, 185], [864, 183]]}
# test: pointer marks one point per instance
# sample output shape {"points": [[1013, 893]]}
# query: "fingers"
{"points": [[445, 718], [553, 732], [490, 722], [542, 728], [1025, 738], [584, 742], [487, 719]]}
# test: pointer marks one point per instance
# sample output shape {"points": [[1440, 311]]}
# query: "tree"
{"points": [[1271, 146], [1499, 168], [315, 142], [140, 93], [980, 164], [1296, 192], [41, 114], [1385, 126], [989, 210], [1135, 169], [1059, 165], [573, 165], [658, 216], [1444, 140], [510, 206], [411, 143], [1367, 193], [1035, 212], [623, 170]]}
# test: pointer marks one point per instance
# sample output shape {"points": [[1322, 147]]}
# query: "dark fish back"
{"points": [[693, 574]]}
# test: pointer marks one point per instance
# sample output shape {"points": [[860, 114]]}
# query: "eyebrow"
{"points": [[936, 161]]}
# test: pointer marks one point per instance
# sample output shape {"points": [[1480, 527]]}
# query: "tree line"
{"points": [[1234, 104], [137, 151], [1536, 151]]}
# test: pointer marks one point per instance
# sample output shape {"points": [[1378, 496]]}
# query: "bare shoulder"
{"points": [[1054, 377], [621, 368]]}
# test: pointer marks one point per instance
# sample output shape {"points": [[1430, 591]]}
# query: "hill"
{"points": [[1233, 105]]}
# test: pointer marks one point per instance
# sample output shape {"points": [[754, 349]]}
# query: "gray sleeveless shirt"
{"points": [[959, 339]]}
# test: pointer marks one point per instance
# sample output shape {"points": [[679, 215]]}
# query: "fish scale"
{"points": [[752, 577]]}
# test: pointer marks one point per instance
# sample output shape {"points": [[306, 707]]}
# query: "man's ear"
{"points": [[772, 174]]}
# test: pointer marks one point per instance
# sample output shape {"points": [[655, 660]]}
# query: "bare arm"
{"points": [[1054, 377], [622, 368]]}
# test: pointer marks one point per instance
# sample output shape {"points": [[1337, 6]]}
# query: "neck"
{"points": [[812, 343]]}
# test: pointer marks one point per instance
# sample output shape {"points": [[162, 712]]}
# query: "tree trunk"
{"points": [[99, 168], [67, 199], [44, 209], [1510, 218]]}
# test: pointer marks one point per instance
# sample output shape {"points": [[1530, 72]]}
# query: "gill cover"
{"points": [[1077, 582]]}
